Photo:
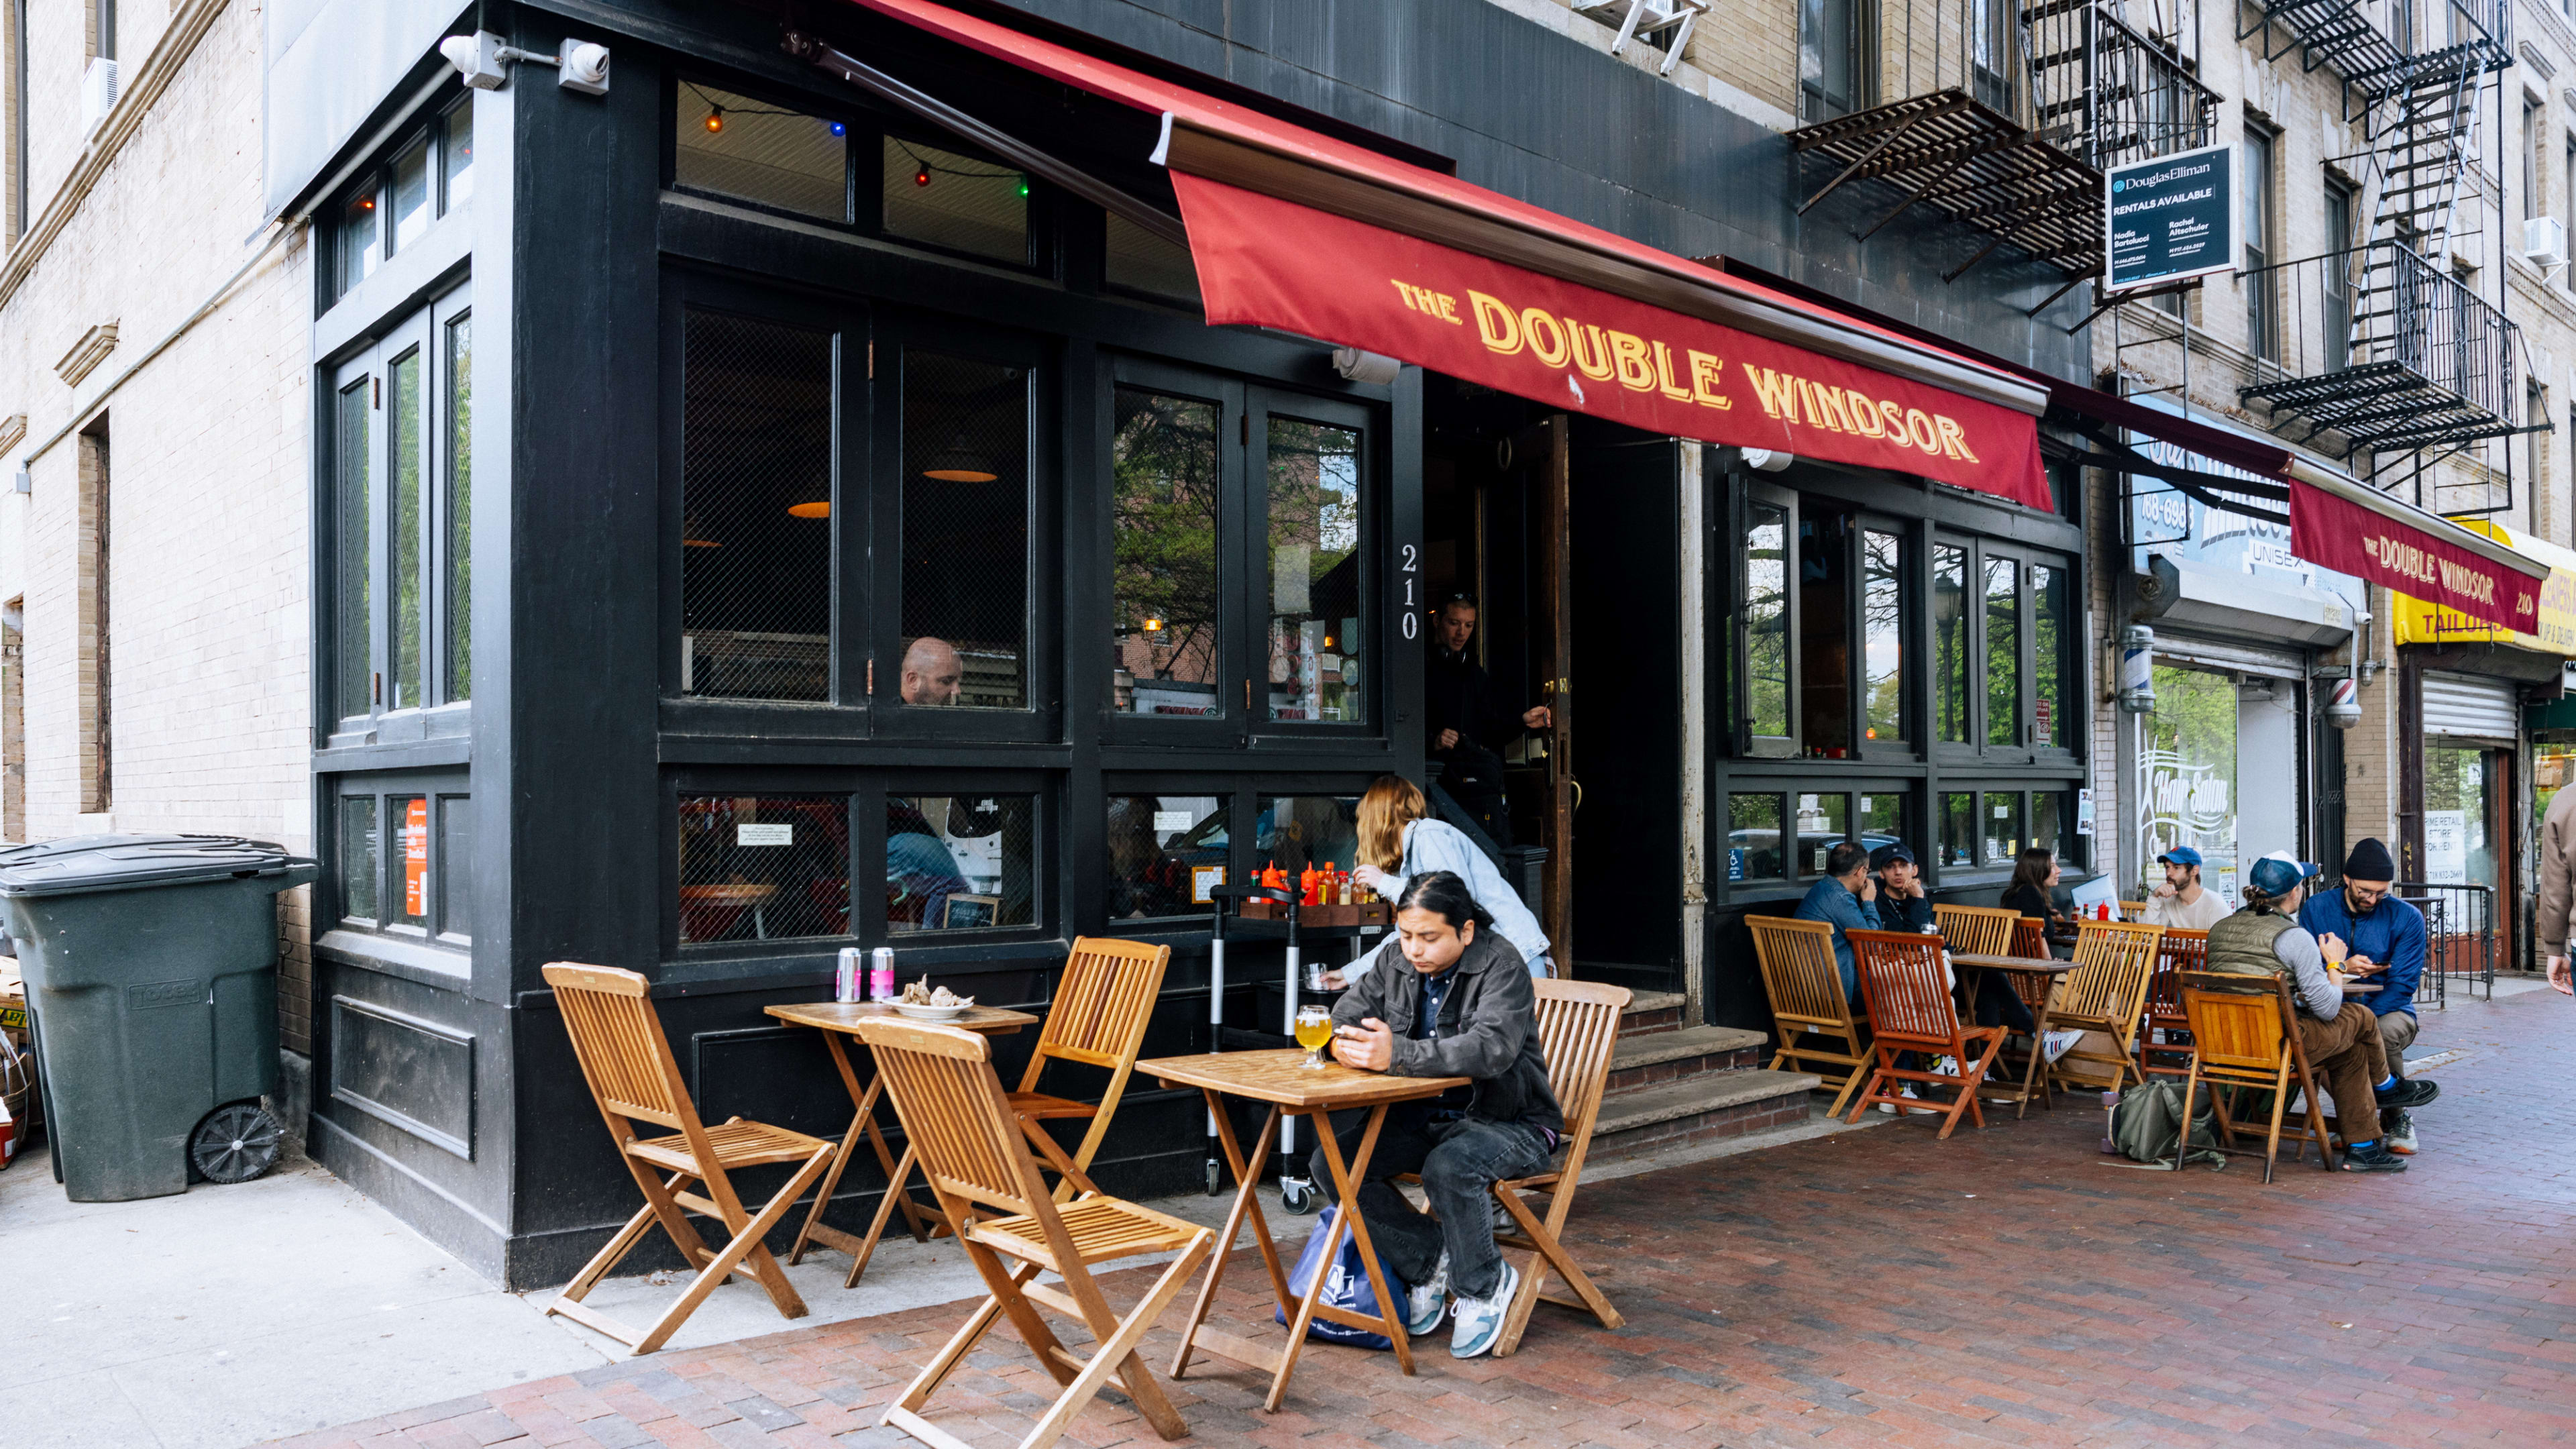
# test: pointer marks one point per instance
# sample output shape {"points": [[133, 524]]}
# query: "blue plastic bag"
{"points": [[1346, 1286]]}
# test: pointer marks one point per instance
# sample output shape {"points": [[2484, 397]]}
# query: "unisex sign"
{"points": [[2170, 218], [1272, 263]]}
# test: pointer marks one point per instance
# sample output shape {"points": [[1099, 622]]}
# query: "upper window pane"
{"points": [[960, 863], [411, 194], [2052, 722], [354, 244], [1950, 643], [1883, 636], [1316, 631], [735, 146], [1824, 632], [1166, 853], [965, 533], [2003, 652], [1140, 261], [764, 867], [460, 508], [402, 405], [756, 491], [456, 152], [955, 201], [353, 658], [1163, 564], [1766, 620]]}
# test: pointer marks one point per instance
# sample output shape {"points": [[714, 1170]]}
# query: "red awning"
{"points": [[1303, 232]]}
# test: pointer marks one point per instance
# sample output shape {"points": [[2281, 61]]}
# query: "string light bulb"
{"points": [[715, 118], [1024, 187], [839, 129], [922, 176]]}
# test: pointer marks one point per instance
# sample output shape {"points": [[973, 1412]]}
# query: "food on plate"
{"points": [[922, 993]]}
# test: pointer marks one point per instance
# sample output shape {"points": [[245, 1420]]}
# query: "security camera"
{"points": [[484, 61], [481, 58], [583, 67]]}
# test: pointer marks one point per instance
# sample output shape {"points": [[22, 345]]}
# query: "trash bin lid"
{"points": [[109, 862]]}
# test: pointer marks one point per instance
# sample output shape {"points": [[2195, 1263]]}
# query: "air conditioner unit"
{"points": [[2544, 241], [98, 93]]}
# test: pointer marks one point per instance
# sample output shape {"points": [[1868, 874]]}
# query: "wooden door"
{"points": [[1555, 641]]}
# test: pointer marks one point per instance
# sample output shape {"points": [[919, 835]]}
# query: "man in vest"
{"points": [[2342, 1038]]}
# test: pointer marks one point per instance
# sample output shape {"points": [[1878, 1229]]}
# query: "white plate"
{"points": [[932, 1013]]}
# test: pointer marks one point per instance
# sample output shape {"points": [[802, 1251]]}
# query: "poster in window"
{"points": [[971, 913], [2446, 847], [416, 858]]}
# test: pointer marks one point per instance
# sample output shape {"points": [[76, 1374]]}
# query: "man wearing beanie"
{"points": [[2342, 1042], [2367, 931]]}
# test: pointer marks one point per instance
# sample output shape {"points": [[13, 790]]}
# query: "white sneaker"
{"points": [[2401, 1138], [1426, 1303], [1480, 1320], [1890, 1107]]}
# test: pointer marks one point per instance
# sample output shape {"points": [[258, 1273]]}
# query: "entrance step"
{"points": [[1651, 1058], [1706, 1107], [1652, 1011]]}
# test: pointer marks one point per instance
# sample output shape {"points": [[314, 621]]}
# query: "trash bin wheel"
{"points": [[235, 1143]]}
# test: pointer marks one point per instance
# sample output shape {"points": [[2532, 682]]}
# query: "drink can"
{"points": [[845, 977], [881, 974]]}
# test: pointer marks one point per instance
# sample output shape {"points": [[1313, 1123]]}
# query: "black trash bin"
{"points": [[151, 971]]}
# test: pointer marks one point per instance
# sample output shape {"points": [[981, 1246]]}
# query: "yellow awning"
{"points": [[2419, 622]]}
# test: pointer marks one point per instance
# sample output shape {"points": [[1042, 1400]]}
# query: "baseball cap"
{"points": [[1888, 854], [2179, 855], [2278, 873]]}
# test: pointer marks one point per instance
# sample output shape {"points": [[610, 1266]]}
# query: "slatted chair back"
{"points": [[1101, 1006], [953, 1111], [2030, 938], [1578, 1030], [1906, 986], [2112, 962], [1798, 969], [2237, 1025], [618, 1040], [2133, 910], [2178, 952], [1977, 930]]}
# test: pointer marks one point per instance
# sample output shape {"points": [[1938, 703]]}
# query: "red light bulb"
{"points": [[922, 176]]}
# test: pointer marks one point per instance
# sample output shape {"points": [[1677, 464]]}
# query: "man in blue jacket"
{"points": [[1848, 898], [2367, 931]]}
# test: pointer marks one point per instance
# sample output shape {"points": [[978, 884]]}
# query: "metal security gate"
{"points": [[2459, 936]]}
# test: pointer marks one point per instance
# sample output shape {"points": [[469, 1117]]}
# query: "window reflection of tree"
{"points": [[1883, 623], [1766, 622], [1314, 528], [1950, 641], [2003, 651], [1164, 569]]}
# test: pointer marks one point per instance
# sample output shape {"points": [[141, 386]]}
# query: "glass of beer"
{"points": [[1314, 1029]]}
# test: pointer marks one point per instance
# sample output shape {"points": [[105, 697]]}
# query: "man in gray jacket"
{"points": [[2557, 886]]}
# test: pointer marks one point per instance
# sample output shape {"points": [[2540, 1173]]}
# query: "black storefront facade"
{"points": [[850, 505]]}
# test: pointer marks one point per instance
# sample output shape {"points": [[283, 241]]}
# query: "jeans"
{"points": [[1999, 1005], [2397, 1033], [2347, 1053], [1460, 1162]]}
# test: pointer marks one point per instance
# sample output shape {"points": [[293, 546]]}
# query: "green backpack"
{"points": [[2143, 1125]]}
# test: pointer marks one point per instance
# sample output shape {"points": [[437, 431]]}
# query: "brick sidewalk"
{"points": [[2009, 1287]]}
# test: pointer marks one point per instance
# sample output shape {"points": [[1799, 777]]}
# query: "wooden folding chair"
{"points": [[975, 1152], [2244, 1033], [1578, 1031], [1098, 1020], [1806, 990], [1977, 930], [2133, 911], [628, 1063], [2104, 993], [1911, 1009], [2180, 951], [2030, 938]]}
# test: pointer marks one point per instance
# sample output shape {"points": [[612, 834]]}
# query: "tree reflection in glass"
{"points": [[1163, 562]]}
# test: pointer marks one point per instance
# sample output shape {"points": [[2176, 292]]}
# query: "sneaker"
{"points": [[1503, 1222], [2400, 1136], [1425, 1303], [1890, 1107], [2410, 1092], [2374, 1158], [1480, 1320]]}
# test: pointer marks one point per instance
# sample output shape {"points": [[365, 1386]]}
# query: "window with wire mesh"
{"points": [[956, 202], [1163, 555], [1166, 853], [358, 857], [960, 862], [756, 499], [764, 867], [733, 145], [1316, 631], [1298, 831], [965, 533]]}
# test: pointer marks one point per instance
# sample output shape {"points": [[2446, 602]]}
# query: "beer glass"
{"points": [[1314, 1030]]}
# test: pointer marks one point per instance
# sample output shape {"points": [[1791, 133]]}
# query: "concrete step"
{"points": [[1697, 1109], [1652, 1011], [1652, 1058]]}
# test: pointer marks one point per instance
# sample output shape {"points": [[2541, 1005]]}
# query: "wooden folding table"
{"points": [[2050, 967], [1280, 1079], [837, 1020]]}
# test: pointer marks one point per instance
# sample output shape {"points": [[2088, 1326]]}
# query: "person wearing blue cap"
{"points": [[1903, 904], [2341, 1037], [2182, 903]]}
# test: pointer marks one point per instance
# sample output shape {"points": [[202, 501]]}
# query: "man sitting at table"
{"points": [[2182, 902], [1848, 898], [2342, 1037], [2368, 932], [1465, 1010]]}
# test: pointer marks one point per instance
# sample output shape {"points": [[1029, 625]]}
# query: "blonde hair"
{"points": [[1390, 805]]}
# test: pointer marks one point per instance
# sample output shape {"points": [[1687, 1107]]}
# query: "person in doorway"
{"points": [[1465, 1010], [1847, 898], [2342, 1037], [2557, 888], [2033, 893], [1468, 727], [2366, 931], [1399, 842], [2182, 903], [1903, 904], [932, 672]]}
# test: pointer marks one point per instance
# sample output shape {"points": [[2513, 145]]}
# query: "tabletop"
{"points": [[1277, 1076], [846, 1016], [2359, 988], [2032, 964]]}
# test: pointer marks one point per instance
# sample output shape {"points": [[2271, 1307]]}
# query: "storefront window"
{"points": [[756, 491], [2187, 774], [2003, 822], [756, 151], [1823, 822], [1883, 633], [1958, 828], [2553, 767], [965, 533], [403, 860], [1753, 838], [1883, 822], [2003, 652], [1166, 854], [358, 857], [960, 863], [455, 865], [353, 661], [2048, 818], [408, 817], [402, 409], [1316, 631], [2052, 631], [1766, 622], [1297, 831], [1140, 261], [459, 508], [957, 202], [1824, 632], [1950, 643], [2459, 849], [1164, 570], [764, 867]]}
